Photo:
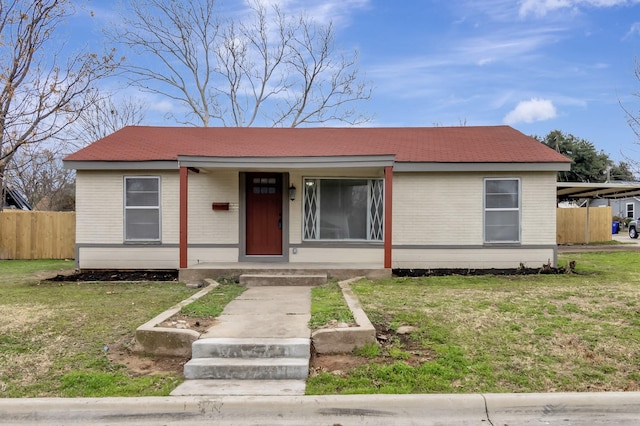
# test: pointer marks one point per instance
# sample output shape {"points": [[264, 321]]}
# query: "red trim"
{"points": [[388, 198], [184, 189]]}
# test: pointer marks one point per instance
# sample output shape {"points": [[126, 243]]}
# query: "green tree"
{"points": [[589, 164], [622, 171]]}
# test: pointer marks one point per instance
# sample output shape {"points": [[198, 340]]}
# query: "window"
{"points": [[501, 210], [343, 209], [630, 213], [142, 208]]}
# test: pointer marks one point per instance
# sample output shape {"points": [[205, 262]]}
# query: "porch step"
{"points": [[247, 368], [222, 358], [251, 348], [254, 280]]}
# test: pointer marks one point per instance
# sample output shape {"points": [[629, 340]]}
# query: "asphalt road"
{"points": [[475, 409]]}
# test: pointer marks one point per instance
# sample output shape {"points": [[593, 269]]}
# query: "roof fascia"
{"points": [[481, 167], [120, 165], [287, 162]]}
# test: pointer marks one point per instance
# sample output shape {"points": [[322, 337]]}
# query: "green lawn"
{"points": [[541, 333], [52, 335]]}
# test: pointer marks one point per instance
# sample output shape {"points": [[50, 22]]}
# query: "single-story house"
{"points": [[624, 207], [401, 198]]}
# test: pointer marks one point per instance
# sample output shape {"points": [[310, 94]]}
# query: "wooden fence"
{"points": [[37, 235], [583, 225]]}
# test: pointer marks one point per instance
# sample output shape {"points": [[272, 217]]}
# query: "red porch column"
{"points": [[388, 198], [184, 190]]}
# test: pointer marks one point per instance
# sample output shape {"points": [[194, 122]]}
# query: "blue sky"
{"points": [[536, 65]]}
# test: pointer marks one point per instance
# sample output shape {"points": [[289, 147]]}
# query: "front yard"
{"points": [[541, 333], [61, 338]]}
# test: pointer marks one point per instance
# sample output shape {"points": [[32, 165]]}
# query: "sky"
{"points": [[535, 65]]}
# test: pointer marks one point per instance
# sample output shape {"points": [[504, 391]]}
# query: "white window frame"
{"points": [[373, 235], [485, 209], [632, 211], [127, 208]]}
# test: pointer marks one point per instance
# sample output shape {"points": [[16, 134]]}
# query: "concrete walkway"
{"points": [[270, 311], [261, 314]]}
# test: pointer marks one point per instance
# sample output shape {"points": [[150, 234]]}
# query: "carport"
{"points": [[590, 191]]}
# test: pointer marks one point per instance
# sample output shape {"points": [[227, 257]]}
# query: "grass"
{"points": [[52, 335], [212, 304], [542, 333], [328, 305]]}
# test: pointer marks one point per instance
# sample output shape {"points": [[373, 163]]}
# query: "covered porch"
{"points": [[265, 216], [233, 270]]}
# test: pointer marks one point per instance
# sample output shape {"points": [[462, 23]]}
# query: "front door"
{"points": [[264, 214]]}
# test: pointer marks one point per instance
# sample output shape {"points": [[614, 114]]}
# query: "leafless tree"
{"points": [[633, 119], [40, 93], [266, 69], [104, 117], [38, 174]]}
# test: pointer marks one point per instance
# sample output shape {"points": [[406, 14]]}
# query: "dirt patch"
{"points": [[116, 275], [412, 353], [143, 364], [181, 321]]}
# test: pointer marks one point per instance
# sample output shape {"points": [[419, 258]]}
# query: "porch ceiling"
{"points": [[287, 163]]}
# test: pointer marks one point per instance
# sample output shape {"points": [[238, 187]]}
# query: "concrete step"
{"points": [[241, 388], [255, 280], [247, 368], [251, 348]]}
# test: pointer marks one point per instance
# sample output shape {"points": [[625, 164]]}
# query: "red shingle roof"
{"points": [[486, 144]]}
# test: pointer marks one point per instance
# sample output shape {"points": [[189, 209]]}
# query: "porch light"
{"points": [[292, 193]]}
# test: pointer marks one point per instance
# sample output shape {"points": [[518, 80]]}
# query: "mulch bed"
{"points": [[115, 275], [546, 269]]}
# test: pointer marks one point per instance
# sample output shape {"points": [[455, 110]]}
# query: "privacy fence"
{"points": [[583, 225], [52, 235], [37, 235]]}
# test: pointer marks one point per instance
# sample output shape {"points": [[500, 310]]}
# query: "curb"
{"points": [[165, 341], [346, 339], [602, 408]]}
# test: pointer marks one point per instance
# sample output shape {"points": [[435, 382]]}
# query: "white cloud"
{"points": [[543, 7], [530, 111], [634, 30]]}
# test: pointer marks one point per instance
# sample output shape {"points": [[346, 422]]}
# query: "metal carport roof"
{"points": [[569, 190]]}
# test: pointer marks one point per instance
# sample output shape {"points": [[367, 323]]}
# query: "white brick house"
{"points": [[459, 197]]}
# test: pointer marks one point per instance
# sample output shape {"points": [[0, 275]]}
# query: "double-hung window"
{"points": [[502, 210], [343, 209], [142, 208], [630, 211]]}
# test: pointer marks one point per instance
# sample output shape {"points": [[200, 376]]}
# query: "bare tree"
{"points": [[40, 94], [633, 119], [38, 174], [104, 117], [267, 69]]}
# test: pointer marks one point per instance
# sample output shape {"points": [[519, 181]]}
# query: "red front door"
{"points": [[264, 214]]}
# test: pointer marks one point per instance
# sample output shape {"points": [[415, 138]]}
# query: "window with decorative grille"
{"points": [[343, 209]]}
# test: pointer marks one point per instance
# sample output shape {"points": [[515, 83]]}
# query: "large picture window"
{"points": [[501, 210], [142, 208], [343, 209]]}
